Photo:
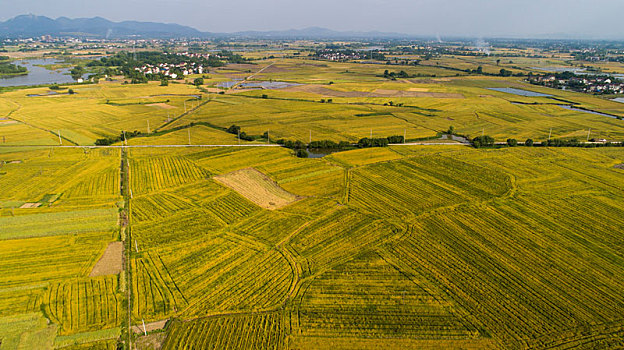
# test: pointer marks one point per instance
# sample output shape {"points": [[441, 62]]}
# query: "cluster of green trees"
{"points": [[483, 141], [392, 75], [374, 142], [502, 73], [298, 146], [236, 130], [329, 145], [488, 141], [11, 69], [391, 104], [106, 141], [77, 72]]}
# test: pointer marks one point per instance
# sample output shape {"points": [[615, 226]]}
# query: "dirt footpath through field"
{"points": [[111, 261]]}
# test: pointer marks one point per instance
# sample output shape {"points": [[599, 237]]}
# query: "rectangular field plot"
{"points": [[58, 223], [65, 257], [157, 173], [84, 304], [410, 187], [218, 275], [263, 331], [368, 297], [258, 188]]}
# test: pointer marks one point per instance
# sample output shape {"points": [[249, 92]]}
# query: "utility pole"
{"points": [[238, 132], [268, 137], [60, 140], [549, 134], [184, 106], [189, 135], [371, 133], [405, 136], [588, 133], [125, 140], [310, 136], [148, 129]]}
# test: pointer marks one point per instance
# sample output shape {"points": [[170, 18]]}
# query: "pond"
{"points": [[319, 152], [520, 92], [257, 84], [228, 84], [586, 111], [38, 75], [267, 85]]}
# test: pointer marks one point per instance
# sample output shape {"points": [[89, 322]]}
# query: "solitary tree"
{"points": [[512, 142], [528, 143]]}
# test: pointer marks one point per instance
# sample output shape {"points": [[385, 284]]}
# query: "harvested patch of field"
{"points": [[161, 105], [242, 66], [213, 90], [151, 341], [7, 122], [400, 93], [30, 205], [276, 69], [149, 327], [111, 261], [418, 89], [321, 90], [258, 188]]}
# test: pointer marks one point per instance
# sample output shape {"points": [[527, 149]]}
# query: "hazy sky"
{"points": [[482, 18]]}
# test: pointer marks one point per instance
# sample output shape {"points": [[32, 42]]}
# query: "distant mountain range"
{"points": [[30, 25], [33, 26]]}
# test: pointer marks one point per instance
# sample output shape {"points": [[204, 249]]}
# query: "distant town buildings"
{"points": [[588, 84]]}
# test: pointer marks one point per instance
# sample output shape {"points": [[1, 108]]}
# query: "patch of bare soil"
{"points": [[258, 188], [30, 205], [111, 261], [619, 166], [242, 66], [276, 69], [149, 327], [153, 341], [161, 105]]}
